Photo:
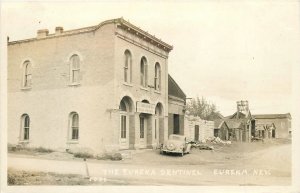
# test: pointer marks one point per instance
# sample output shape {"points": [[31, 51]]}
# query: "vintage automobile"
{"points": [[176, 144]]}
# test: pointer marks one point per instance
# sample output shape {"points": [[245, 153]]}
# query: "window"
{"points": [[144, 72], [75, 69], [123, 126], [25, 127], [155, 128], [74, 123], [127, 67], [27, 74], [142, 127], [157, 77]]}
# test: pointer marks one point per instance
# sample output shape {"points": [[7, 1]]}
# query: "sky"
{"points": [[224, 51]]}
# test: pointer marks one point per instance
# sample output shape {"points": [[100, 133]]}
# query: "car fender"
{"points": [[188, 148]]}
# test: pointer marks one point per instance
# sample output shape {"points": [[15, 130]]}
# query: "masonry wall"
{"points": [[138, 49], [283, 126], [51, 98], [176, 106], [206, 128]]}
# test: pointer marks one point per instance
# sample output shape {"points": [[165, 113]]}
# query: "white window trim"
{"points": [[77, 83], [24, 76], [70, 128], [22, 131], [144, 74], [157, 77], [128, 68]]}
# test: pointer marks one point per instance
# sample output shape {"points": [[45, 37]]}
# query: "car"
{"points": [[176, 144]]}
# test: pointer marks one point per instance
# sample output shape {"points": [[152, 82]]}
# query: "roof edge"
{"points": [[95, 28]]}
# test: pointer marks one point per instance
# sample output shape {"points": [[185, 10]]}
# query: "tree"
{"points": [[203, 109]]}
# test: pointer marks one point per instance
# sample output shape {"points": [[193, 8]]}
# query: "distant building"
{"points": [[222, 130], [240, 124], [273, 125], [197, 129]]}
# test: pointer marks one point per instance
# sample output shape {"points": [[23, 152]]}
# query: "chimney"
{"points": [[59, 30], [42, 33]]}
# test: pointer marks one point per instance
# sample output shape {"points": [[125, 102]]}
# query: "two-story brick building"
{"points": [[100, 87]]}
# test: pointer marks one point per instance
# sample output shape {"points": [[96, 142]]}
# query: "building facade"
{"points": [[197, 129], [273, 125], [241, 124], [98, 88]]}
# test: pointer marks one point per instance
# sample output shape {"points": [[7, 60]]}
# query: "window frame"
{"points": [[127, 78], [74, 126], [74, 69], [27, 74], [143, 72], [25, 128], [157, 77]]}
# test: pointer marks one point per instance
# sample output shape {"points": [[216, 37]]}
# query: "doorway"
{"points": [[196, 132], [143, 130], [125, 109], [273, 133], [124, 137], [176, 123]]}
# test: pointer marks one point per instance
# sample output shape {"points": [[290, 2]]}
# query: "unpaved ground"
{"points": [[17, 177], [257, 163]]}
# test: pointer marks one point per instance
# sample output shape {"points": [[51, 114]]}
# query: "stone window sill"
{"points": [[73, 142], [26, 88], [157, 91], [74, 84], [144, 88], [24, 141], [127, 84]]}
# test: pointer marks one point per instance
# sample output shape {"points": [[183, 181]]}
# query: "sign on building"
{"points": [[145, 108]]}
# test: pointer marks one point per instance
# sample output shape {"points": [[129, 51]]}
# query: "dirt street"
{"points": [[258, 163]]}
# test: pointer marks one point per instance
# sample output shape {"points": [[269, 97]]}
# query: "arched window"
{"points": [[157, 77], [27, 74], [127, 67], [123, 106], [25, 127], [75, 69], [144, 70], [74, 126]]}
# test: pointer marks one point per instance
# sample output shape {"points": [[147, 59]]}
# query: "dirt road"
{"points": [[270, 165]]}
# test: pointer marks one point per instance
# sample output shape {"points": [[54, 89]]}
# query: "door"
{"points": [[196, 132], [273, 133], [124, 133], [176, 124], [156, 130], [143, 132]]}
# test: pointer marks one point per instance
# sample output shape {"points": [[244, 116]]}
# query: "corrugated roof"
{"points": [[272, 116]]}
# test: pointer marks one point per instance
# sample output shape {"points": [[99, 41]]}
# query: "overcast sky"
{"points": [[225, 51]]}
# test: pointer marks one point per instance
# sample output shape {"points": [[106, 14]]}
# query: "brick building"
{"points": [[97, 88]]}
